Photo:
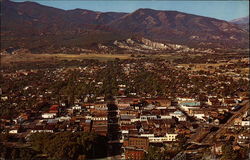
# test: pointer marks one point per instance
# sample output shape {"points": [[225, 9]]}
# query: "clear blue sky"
{"points": [[225, 10]]}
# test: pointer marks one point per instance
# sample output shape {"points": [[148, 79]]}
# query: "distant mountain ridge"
{"points": [[180, 28], [41, 28], [242, 22]]}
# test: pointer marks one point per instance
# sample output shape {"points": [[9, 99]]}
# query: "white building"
{"points": [[199, 116], [76, 107], [245, 123], [167, 138], [42, 130], [48, 115], [188, 108], [99, 118], [146, 117], [135, 119], [182, 118], [166, 117], [179, 115], [171, 137], [64, 118], [14, 131]]}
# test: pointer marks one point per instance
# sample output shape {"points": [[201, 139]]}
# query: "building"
{"points": [[76, 107], [100, 127], [179, 115], [245, 122], [243, 138], [160, 101], [136, 147], [54, 109], [167, 138], [134, 154], [138, 142], [41, 128], [48, 115]]}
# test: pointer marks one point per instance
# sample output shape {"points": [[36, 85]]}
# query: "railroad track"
{"points": [[222, 128]]}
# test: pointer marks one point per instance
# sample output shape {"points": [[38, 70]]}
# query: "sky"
{"points": [[225, 10]]}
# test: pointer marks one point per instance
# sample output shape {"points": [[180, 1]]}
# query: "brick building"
{"points": [[136, 147], [134, 154]]}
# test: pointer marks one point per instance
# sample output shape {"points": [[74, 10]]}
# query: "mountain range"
{"points": [[41, 28], [242, 22]]}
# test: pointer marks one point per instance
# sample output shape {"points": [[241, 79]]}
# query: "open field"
{"points": [[27, 57], [204, 67], [214, 66], [50, 58]]}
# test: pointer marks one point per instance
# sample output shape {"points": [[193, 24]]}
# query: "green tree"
{"points": [[68, 145]]}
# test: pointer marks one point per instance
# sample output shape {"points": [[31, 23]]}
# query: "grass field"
{"points": [[101, 57], [27, 57], [36, 58], [8, 59]]}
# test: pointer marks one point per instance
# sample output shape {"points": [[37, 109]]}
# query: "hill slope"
{"points": [[43, 29], [242, 22], [37, 27], [181, 28]]}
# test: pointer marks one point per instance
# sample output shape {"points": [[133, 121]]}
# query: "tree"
{"points": [[154, 153], [27, 154], [182, 141], [228, 153], [68, 145]]}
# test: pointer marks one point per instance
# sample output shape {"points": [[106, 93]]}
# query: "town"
{"points": [[139, 108]]}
